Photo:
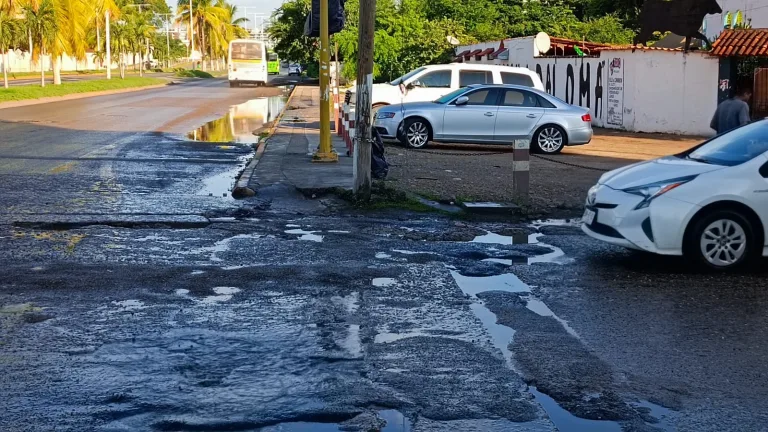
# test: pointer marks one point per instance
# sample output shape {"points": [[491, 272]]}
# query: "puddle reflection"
{"points": [[240, 122]]}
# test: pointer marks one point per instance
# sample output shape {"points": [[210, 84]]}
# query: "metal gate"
{"points": [[760, 94]]}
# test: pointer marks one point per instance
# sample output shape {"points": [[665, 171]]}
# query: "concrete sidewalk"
{"points": [[287, 160]]}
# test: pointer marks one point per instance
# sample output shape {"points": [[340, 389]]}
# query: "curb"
{"points": [[241, 189], [75, 96]]}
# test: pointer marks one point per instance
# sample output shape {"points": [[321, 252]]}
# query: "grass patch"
{"points": [[387, 198], [188, 73], [35, 92]]}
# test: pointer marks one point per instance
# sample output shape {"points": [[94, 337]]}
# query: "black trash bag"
{"points": [[379, 165]]}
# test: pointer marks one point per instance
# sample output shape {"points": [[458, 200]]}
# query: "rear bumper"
{"points": [[580, 136]]}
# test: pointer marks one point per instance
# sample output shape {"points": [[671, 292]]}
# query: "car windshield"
{"points": [[449, 97], [406, 76], [735, 147]]}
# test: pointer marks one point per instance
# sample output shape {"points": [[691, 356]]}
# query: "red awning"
{"points": [[474, 53], [463, 53], [458, 59], [499, 51], [487, 51]]}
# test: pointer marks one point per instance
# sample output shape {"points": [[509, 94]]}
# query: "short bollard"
{"points": [[521, 163]]}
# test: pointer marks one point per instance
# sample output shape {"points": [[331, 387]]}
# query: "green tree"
{"points": [[41, 23], [11, 32], [287, 30]]}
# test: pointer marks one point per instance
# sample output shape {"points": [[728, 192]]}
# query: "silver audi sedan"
{"points": [[488, 114]]}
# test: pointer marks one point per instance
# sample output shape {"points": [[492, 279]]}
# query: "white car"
{"points": [[429, 83], [709, 203], [294, 69]]}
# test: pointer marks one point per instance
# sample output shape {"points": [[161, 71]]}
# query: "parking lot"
{"points": [[558, 183]]}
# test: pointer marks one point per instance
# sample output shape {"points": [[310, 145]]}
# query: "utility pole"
{"points": [[362, 158], [325, 153], [191, 36], [109, 47]]}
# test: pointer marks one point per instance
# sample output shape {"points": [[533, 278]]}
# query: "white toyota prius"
{"points": [[709, 203]]}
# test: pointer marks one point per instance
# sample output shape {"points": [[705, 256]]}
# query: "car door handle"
{"points": [[531, 116], [489, 114]]}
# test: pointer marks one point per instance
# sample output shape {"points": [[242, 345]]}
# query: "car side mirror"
{"points": [[462, 101]]}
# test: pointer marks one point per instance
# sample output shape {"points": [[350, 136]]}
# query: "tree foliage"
{"points": [[411, 33]]}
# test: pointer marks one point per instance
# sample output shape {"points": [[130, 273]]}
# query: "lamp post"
{"points": [[109, 47]]}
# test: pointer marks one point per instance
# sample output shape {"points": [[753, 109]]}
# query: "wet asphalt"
{"points": [[134, 297]]}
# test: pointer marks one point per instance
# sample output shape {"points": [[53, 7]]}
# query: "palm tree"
{"points": [[72, 20], [209, 17], [141, 30], [119, 42], [40, 21], [99, 17], [9, 36]]}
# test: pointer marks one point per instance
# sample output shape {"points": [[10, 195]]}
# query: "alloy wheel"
{"points": [[417, 134], [723, 243], [550, 140]]}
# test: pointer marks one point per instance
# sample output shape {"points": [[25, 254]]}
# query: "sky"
{"points": [[253, 6]]}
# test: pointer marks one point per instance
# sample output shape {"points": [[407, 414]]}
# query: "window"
{"points": [[449, 97], [469, 77], [482, 97], [545, 103], [518, 98], [272, 57], [405, 77], [516, 78], [246, 51], [436, 79], [735, 147]]}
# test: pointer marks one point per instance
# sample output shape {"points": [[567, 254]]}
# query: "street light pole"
{"points": [[109, 47], [325, 153], [191, 35]]}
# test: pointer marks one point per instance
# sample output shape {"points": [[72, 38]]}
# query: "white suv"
{"points": [[429, 83]]}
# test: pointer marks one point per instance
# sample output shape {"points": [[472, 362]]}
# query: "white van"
{"points": [[428, 83]]}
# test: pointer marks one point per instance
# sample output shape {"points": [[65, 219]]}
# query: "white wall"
{"points": [[649, 90], [18, 61]]}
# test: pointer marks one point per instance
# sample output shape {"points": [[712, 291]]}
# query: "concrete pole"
{"points": [[108, 57], [191, 35], [521, 169], [325, 153], [361, 185], [167, 42]]}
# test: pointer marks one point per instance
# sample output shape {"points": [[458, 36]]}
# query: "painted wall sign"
{"points": [[616, 93]]}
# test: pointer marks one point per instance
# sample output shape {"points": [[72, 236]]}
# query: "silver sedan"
{"points": [[488, 114]]}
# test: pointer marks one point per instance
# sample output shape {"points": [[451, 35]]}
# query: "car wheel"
{"points": [[416, 133], [722, 240], [549, 140]]}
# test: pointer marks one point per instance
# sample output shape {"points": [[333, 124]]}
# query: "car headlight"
{"points": [[385, 115], [652, 191]]}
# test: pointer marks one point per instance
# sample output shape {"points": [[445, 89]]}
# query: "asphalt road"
{"points": [[183, 311]]}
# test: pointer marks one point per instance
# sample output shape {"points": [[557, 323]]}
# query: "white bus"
{"points": [[247, 62]]}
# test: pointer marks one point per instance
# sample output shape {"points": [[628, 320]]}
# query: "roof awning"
{"points": [[487, 51], [474, 53], [741, 43], [463, 53], [499, 51], [458, 59]]}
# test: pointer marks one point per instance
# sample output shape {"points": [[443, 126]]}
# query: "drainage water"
{"points": [[502, 336], [241, 122]]}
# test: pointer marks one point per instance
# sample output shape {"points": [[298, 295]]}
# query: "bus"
{"points": [[247, 62], [273, 65]]}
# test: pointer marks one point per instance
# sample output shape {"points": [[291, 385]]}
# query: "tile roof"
{"points": [[741, 43]]}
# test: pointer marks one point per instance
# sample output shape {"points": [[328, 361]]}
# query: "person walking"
{"points": [[732, 113]]}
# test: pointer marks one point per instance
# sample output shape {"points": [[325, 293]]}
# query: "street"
{"points": [[138, 295]]}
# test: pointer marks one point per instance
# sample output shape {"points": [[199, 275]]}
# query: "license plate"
{"points": [[589, 216]]}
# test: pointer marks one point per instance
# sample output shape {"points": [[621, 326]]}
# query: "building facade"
{"points": [[642, 90]]}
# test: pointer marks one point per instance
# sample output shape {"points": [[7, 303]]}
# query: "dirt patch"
{"points": [[559, 183]]}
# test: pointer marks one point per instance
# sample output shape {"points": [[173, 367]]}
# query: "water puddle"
{"points": [[384, 282], [224, 246], [382, 255], [306, 235], [223, 294], [556, 256], [662, 415], [395, 422], [567, 422], [221, 185], [241, 122]]}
